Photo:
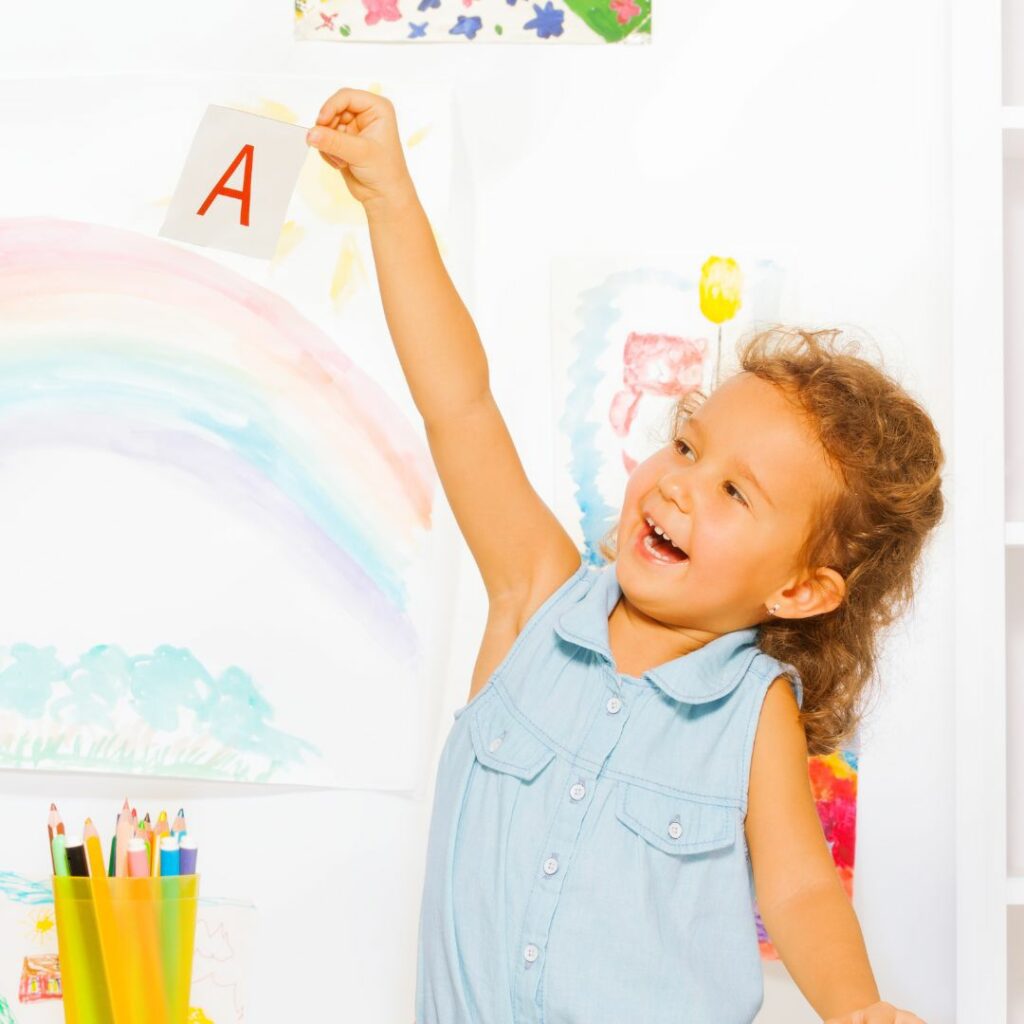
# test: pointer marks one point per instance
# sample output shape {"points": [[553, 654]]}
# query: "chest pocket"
{"points": [[676, 824], [503, 744]]}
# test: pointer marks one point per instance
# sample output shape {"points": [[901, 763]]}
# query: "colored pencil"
{"points": [[162, 825], [59, 855], [51, 830], [188, 854], [138, 858], [179, 826], [170, 857], [74, 849], [124, 835]]}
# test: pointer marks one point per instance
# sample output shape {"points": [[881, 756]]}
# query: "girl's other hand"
{"points": [[877, 1013], [357, 133]]}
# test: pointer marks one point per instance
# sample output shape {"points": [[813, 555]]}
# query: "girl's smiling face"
{"points": [[736, 490]]}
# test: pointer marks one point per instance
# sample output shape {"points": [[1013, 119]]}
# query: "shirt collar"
{"points": [[703, 675]]}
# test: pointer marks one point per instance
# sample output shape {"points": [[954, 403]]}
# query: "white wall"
{"points": [[815, 130]]}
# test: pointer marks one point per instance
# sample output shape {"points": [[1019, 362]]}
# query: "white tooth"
{"points": [[658, 530]]}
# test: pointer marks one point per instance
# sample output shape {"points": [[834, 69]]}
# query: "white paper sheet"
{"points": [[217, 528], [237, 182]]}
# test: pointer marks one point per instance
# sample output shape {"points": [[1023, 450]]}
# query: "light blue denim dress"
{"points": [[586, 858]]}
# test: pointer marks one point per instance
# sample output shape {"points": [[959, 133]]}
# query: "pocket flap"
{"points": [[676, 824], [503, 743]]}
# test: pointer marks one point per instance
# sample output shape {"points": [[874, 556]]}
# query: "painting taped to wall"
{"points": [[480, 21], [218, 527]]}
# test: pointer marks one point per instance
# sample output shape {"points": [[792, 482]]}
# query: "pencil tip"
{"points": [[53, 806]]}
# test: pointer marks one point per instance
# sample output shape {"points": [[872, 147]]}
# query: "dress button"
{"points": [[550, 866], [614, 705], [531, 953], [494, 744], [578, 791], [675, 830]]}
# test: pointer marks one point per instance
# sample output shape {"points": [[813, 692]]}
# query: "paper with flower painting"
{"points": [[475, 21], [217, 526], [631, 336]]}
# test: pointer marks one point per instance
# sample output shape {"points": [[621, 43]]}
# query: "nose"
{"points": [[675, 487]]}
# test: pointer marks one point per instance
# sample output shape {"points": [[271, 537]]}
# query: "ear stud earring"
{"points": [[774, 608]]}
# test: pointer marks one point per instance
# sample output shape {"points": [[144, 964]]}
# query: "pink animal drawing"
{"points": [[381, 10], [663, 365]]}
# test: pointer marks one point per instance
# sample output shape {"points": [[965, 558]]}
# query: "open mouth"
{"points": [[661, 549]]}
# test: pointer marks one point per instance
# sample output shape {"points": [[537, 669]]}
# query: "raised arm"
{"points": [[515, 539]]}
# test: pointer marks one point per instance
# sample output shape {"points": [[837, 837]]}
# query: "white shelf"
{"points": [[1015, 534], [987, 136], [1015, 891], [1013, 132]]}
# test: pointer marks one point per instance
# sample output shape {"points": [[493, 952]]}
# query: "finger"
{"points": [[355, 100], [341, 144], [333, 161]]}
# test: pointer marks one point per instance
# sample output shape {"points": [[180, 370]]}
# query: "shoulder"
{"points": [[780, 735]]}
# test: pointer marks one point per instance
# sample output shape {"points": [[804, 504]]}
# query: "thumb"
{"points": [[350, 148]]}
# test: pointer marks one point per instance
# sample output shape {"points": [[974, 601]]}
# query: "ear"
{"points": [[820, 592]]}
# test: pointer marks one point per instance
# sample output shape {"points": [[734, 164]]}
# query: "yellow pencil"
{"points": [[105, 921]]}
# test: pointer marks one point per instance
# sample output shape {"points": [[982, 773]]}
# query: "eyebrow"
{"points": [[741, 465]]}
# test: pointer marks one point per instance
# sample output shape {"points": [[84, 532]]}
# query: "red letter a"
{"points": [[245, 153]]}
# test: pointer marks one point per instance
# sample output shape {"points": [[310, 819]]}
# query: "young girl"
{"points": [[631, 768]]}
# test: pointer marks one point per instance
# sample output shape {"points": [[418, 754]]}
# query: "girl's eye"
{"points": [[742, 499], [680, 444]]}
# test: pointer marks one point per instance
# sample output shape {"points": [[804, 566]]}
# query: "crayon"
{"points": [[74, 849], [170, 857], [188, 852], [137, 859], [59, 855]]}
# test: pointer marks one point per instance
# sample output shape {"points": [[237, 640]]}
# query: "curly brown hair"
{"points": [[886, 451]]}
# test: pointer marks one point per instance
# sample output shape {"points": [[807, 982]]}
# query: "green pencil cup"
{"points": [[126, 947]]}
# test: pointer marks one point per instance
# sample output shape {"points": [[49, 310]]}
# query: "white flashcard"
{"points": [[237, 182]]}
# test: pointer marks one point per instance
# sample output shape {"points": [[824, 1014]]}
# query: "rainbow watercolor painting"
{"points": [[474, 21], [630, 336], [210, 525]]}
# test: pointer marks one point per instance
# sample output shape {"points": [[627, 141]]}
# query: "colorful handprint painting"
{"points": [[479, 21], [631, 336]]}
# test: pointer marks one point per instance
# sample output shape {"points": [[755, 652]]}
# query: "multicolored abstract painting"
{"points": [[217, 526], [631, 336], [30, 988], [483, 21]]}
